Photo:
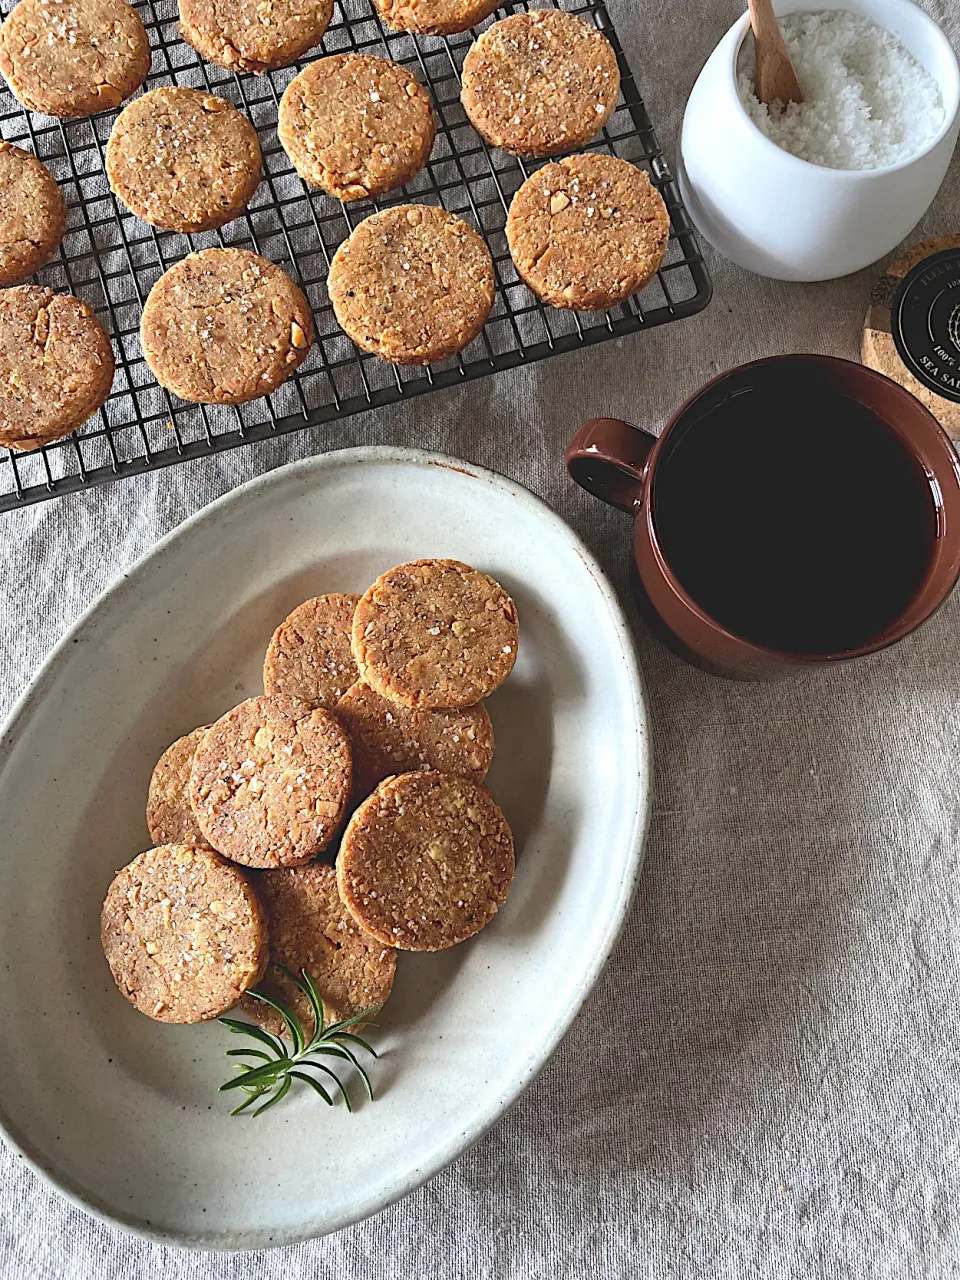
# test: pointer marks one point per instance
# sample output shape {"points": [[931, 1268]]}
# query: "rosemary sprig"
{"points": [[272, 1069]]}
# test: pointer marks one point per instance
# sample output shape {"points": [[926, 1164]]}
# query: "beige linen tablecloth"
{"points": [[766, 1081]]}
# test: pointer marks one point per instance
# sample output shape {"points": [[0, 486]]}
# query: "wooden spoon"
{"points": [[776, 78]]}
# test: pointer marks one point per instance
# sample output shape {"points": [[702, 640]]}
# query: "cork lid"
{"points": [[912, 329]]}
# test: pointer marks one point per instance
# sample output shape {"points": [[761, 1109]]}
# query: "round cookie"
{"points": [[413, 284], [184, 934], [540, 83], [435, 633], [356, 125], [71, 58], [434, 17], [311, 929], [270, 782], [248, 35], [426, 862], [33, 215], [183, 160], [225, 326], [56, 365], [170, 819], [587, 232], [387, 738], [309, 656]]}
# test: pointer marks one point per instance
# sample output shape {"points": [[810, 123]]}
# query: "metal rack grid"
{"points": [[111, 259]]}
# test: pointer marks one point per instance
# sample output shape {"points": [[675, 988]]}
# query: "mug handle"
{"points": [[608, 458]]}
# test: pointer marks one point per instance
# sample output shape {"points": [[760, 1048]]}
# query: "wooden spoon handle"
{"points": [[776, 78]]}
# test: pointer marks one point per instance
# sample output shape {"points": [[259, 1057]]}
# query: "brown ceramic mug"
{"points": [[619, 464]]}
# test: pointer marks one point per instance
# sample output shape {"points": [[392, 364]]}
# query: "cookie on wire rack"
{"points": [[356, 125], [225, 326], [33, 215], [56, 365], [183, 160], [587, 232], [413, 284], [73, 58], [540, 83], [248, 35], [435, 17]]}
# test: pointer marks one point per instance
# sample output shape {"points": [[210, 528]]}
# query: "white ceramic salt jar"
{"points": [[780, 216]]}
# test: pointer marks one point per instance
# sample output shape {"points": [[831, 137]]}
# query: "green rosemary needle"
{"points": [[272, 1069]]}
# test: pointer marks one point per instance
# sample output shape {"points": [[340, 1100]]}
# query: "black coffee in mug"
{"points": [[800, 522]]}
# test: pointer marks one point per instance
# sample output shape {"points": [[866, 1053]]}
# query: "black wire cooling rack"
{"points": [[111, 259]]}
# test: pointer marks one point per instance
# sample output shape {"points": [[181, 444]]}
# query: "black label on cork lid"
{"points": [[925, 322]]}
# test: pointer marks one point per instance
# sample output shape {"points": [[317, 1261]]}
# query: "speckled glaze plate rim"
{"points": [[539, 1054]]}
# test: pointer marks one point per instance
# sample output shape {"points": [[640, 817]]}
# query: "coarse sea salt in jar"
{"points": [[867, 103]]}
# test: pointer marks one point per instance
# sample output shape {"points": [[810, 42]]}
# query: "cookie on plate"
{"points": [[270, 782], [248, 35], [72, 58], [540, 83], [310, 656], [388, 738], [184, 934], [435, 633], [413, 284], [33, 215], [588, 231], [311, 929], [225, 326], [170, 819], [434, 17], [356, 125], [56, 365], [183, 160], [426, 861]]}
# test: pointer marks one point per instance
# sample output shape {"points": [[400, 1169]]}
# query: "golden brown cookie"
{"points": [[56, 365], [33, 215], [311, 929], [412, 284], [250, 35], [435, 17], [388, 738], [184, 934], [270, 782], [170, 818], [71, 58], [309, 656], [356, 125], [435, 633], [426, 862], [225, 326], [587, 231], [540, 83], [183, 160]]}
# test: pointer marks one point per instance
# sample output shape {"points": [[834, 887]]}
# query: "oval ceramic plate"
{"points": [[123, 1114]]}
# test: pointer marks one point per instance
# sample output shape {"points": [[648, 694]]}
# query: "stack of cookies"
{"points": [[370, 743]]}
